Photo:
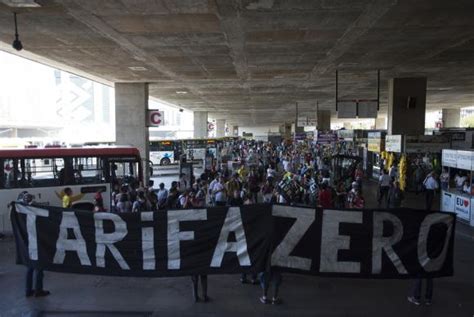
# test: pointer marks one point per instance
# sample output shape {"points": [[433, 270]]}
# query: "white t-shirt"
{"points": [[212, 184], [459, 181], [162, 194], [271, 172], [286, 166], [281, 199], [220, 196], [431, 183]]}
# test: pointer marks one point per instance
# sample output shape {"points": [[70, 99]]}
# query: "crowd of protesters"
{"points": [[257, 172]]}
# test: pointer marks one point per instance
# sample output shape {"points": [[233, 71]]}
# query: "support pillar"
{"points": [[220, 128], [380, 124], [234, 130], [14, 133], [407, 106], [200, 125], [131, 105], [323, 120], [451, 118]]}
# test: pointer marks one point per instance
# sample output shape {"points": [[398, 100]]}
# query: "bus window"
{"points": [[124, 172], [88, 170], [20, 173]]}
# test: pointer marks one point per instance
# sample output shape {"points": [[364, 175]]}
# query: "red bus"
{"points": [[45, 172]]}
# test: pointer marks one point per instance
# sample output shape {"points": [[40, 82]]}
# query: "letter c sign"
{"points": [[155, 118]]}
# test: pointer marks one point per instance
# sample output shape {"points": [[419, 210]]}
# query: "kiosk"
{"points": [[453, 199]]}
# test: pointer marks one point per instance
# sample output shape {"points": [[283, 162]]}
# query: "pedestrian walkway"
{"points": [[84, 296]]}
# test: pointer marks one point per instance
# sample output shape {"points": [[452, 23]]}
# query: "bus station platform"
{"points": [[88, 295]]}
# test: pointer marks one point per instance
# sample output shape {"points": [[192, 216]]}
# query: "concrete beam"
{"points": [[74, 9], [229, 14], [374, 12]]}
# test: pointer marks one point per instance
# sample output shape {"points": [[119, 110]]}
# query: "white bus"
{"points": [[44, 172], [165, 152], [196, 149]]}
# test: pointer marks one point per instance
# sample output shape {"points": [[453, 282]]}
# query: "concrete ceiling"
{"points": [[249, 61]]}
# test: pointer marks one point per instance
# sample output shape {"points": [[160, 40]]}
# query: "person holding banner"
{"points": [[68, 198], [38, 274], [415, 298], [275, 278], [195, 280]]}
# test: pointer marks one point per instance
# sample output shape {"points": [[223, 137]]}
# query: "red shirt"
{"points": [[325, 198]]}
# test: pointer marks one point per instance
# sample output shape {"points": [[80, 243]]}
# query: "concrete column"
{"points": [[131, 105], [14, 133], [407, 106], [451, 118], [324, 120], [200, 124], [380, 123], [220, 128], [234, 130]]}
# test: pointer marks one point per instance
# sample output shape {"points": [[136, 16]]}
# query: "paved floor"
{"points": [[85, 296]]}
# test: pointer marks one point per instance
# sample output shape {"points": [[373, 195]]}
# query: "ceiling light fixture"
{"points": [[21, 3], [181, 92], [16, 42], [137, 68]]}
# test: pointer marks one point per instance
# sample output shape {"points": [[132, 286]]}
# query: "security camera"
{"points": [[16, 42], [17, 45]]}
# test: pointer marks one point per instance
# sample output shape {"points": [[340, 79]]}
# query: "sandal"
{"points": [[263, 300]]}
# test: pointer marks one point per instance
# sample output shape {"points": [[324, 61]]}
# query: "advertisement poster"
{"points": [[463, 207], [374, 142], [393, 143], [447, 201], [449, 158], [464, 160]]}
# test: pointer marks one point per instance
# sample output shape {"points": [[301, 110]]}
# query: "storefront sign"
{"points": [[156, 118], [302, 121], [462, 206], [300, 136], [347, 109], [367, 109], [447, 201], [374, 142], [326, 137], [449, 158], [426, 143], [393, 143], [464, 160], [312, 122], [346, 135]]}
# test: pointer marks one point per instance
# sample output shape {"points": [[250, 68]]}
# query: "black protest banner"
{"points": [[396, 243], [399, 243]]}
